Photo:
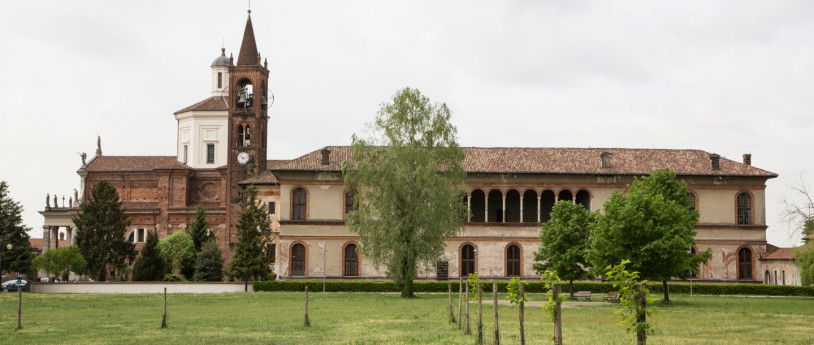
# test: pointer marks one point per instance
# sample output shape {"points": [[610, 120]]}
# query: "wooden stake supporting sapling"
{"points": [[466, 329], [460, 296], [480, 314], [451, 313], [307, 322], [164, 317], [497, 327]]}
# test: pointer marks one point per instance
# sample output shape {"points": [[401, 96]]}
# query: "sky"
{"points": [[726, 77]]}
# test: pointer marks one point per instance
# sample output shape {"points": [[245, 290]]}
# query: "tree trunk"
{"points": [[557, 315], [164, 318], [407, 290], [641, 317], [571, 288], [666, 291], [246, 286]]}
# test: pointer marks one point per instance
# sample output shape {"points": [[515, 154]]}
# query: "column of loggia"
{"points": [[504, 208], [46, 238]]}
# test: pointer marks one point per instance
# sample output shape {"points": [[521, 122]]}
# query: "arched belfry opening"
{"points": [[245, 93]]}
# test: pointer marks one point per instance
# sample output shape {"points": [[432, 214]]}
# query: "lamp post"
{"points": [[8, 246]]}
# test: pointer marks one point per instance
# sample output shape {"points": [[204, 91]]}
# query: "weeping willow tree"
{"points": [[408, 173]]}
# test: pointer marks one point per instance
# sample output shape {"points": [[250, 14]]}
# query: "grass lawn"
{"points": [[374, 318]]}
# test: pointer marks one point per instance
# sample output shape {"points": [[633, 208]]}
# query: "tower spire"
{"points": [[248, 48]]}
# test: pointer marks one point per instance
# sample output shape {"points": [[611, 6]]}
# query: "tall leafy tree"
{"points": [[12, 231], [101, 225], [209, 265], [253, 231], [408, 173], [804, 259], [150, 265], [61, 261], [651, 226], [199, 228], [564, 243], [177, 249]]}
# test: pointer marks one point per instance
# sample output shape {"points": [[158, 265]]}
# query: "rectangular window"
{"points": [[140, 235], [442, 270], [210, 153], [186, 151], [272, 207], [220, 80]]}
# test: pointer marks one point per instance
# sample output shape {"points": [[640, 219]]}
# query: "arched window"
{"points": [[546, 205], [298, 260], [565, 195], [477, 202], [495, 206], [299, 204], [584, 199], [745, 264], [767, 279], [691, 198], [350, 195], [240, 135], [467, 260], [512, 261], [529, 206], [512, 206], [351, 261], [247, 135], [744, 208]]}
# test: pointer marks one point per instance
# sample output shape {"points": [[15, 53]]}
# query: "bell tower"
{"points": [[247, 122]]}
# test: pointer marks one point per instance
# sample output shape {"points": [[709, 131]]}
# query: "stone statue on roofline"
{"points": [[98, 146], [76, 196], [84, 159], [56, 204], [48, 201]]}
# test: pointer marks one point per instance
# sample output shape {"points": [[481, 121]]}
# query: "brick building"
{"points": [[221, 148]]}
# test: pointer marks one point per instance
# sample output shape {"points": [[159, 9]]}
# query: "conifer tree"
{"points": [[150, 265], [199, 228], [12, 231], [209, 265], [253, 228], [100, 228]]}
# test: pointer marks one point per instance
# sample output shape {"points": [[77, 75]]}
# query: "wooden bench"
{"points": [[612, 297], [585, 295]]}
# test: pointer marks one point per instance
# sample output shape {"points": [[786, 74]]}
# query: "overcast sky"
{"points": [[726, 77]]}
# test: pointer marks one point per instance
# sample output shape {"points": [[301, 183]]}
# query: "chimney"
{"points": [[716, 161], [606, 156], [747, 158], [326, 156]]}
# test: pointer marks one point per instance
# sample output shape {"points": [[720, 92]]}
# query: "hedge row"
{"points": [[535, 287]]}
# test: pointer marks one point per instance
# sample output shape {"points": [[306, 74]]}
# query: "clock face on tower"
{"points": [[243, 158]]}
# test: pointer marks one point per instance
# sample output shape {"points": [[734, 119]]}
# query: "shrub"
{"points": [[534, 287], [174, 278]]}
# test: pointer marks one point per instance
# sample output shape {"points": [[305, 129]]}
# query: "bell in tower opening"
{"points": [[244, 95]]}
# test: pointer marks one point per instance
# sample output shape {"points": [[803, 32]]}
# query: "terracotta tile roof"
{"points": [[134, 163], [36, 243], [519, 160], [267, 177], [214, 103], [780, 254]]}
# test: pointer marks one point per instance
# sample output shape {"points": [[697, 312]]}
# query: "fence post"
{"points": [[307, 322], [451, 313], [460, 296], [466, 329], [164, 318], [557, 315], [497, 326], [522, 305], [480, 314]]}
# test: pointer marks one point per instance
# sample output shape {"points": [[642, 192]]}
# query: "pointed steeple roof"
{"points": [[248, 49]]}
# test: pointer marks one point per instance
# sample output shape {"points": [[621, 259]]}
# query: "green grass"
{"points": [[375, 318]]}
